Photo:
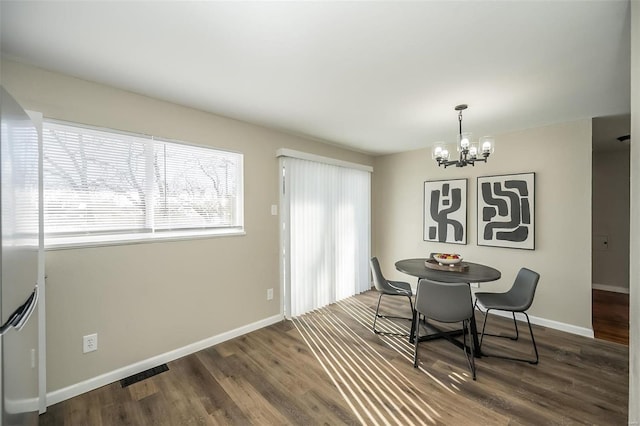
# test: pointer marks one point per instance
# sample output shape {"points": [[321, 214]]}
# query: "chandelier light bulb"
{"points": [[488, 145], [473, 152], [464, 141]]}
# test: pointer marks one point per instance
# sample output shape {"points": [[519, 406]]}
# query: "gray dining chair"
{"points": [[389, 288], [517, 299], [448, 303]]}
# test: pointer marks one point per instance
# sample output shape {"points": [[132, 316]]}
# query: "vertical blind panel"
{"points": [[197, 187], [94, 181], [353, 231], [329, 233]]}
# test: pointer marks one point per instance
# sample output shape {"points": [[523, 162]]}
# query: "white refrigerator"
{"points": [[21, 248]]}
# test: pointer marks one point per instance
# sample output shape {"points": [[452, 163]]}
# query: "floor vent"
{"points": [[143, 375]]}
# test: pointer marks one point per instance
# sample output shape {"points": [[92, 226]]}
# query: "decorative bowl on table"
{"points": [[447, 258]]}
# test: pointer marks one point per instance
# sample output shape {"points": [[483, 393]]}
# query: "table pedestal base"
{"points": [[449, 335]]}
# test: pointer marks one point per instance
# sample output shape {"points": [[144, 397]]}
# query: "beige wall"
{"points": [[634, 279], [560, 155], [611, 218], [147, 299]]}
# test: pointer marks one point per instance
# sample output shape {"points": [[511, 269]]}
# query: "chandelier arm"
{"points": [[447, 163]]}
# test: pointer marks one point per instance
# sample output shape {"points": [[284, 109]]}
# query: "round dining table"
{"points": [[472, 273], [475, 272]]}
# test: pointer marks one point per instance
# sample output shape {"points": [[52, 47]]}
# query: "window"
{"points": [[101, 186]]}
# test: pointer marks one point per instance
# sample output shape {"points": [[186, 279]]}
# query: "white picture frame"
{"points": [[506, 211], [445, 211]]}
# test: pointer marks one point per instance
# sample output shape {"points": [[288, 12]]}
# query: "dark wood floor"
{"points": [[327, 367], [611, 316]]}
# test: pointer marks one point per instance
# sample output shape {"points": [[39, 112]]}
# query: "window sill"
{"points": [[62, 243]]}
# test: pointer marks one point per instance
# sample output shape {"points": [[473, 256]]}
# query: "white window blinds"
{"points": [[100, 182], [94, 181], [196, 187]]}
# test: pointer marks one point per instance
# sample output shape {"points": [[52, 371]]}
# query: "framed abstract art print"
{"points": [[445, 211], [506, 214]]}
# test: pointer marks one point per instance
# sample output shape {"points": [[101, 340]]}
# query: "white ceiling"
{"points": [[378, 77]]}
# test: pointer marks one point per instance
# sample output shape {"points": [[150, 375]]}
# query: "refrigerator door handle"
{"points": [[21, 315]]}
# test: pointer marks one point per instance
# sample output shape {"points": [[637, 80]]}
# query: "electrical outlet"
{"points": [[269, 294], [89, 343]]}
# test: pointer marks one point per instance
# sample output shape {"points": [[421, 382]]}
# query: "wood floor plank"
{"points": [[142, 389], [325, 409], [155, 409], [206, 390]]}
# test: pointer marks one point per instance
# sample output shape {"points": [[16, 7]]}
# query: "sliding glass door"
{"points": [[326, 224]]}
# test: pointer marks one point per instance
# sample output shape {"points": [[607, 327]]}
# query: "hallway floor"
{"points": [[611, 316]]}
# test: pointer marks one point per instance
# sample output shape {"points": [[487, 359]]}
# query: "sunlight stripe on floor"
{"points": [[391, 372], [373, 387], [373, 369], [363, 314], [329, 373], [356, 374], [348, 388]]}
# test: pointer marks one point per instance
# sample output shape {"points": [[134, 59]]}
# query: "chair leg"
{"points": [[378, 315], [533, 340], [484, 323], [375, 318], [515, 324], [466, 327], [416, 319]]}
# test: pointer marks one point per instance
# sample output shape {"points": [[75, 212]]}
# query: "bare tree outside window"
{"points": [[101, 182], [199, 188]]}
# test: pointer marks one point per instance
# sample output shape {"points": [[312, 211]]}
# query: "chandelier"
{"points": [[470, 152]]}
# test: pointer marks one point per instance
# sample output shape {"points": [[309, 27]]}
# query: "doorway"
{"points": [[610, 228]]}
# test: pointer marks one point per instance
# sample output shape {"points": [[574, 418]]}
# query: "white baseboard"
{"points": [[569, 328], [104, 379], [556, 325], [613, 288]]}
